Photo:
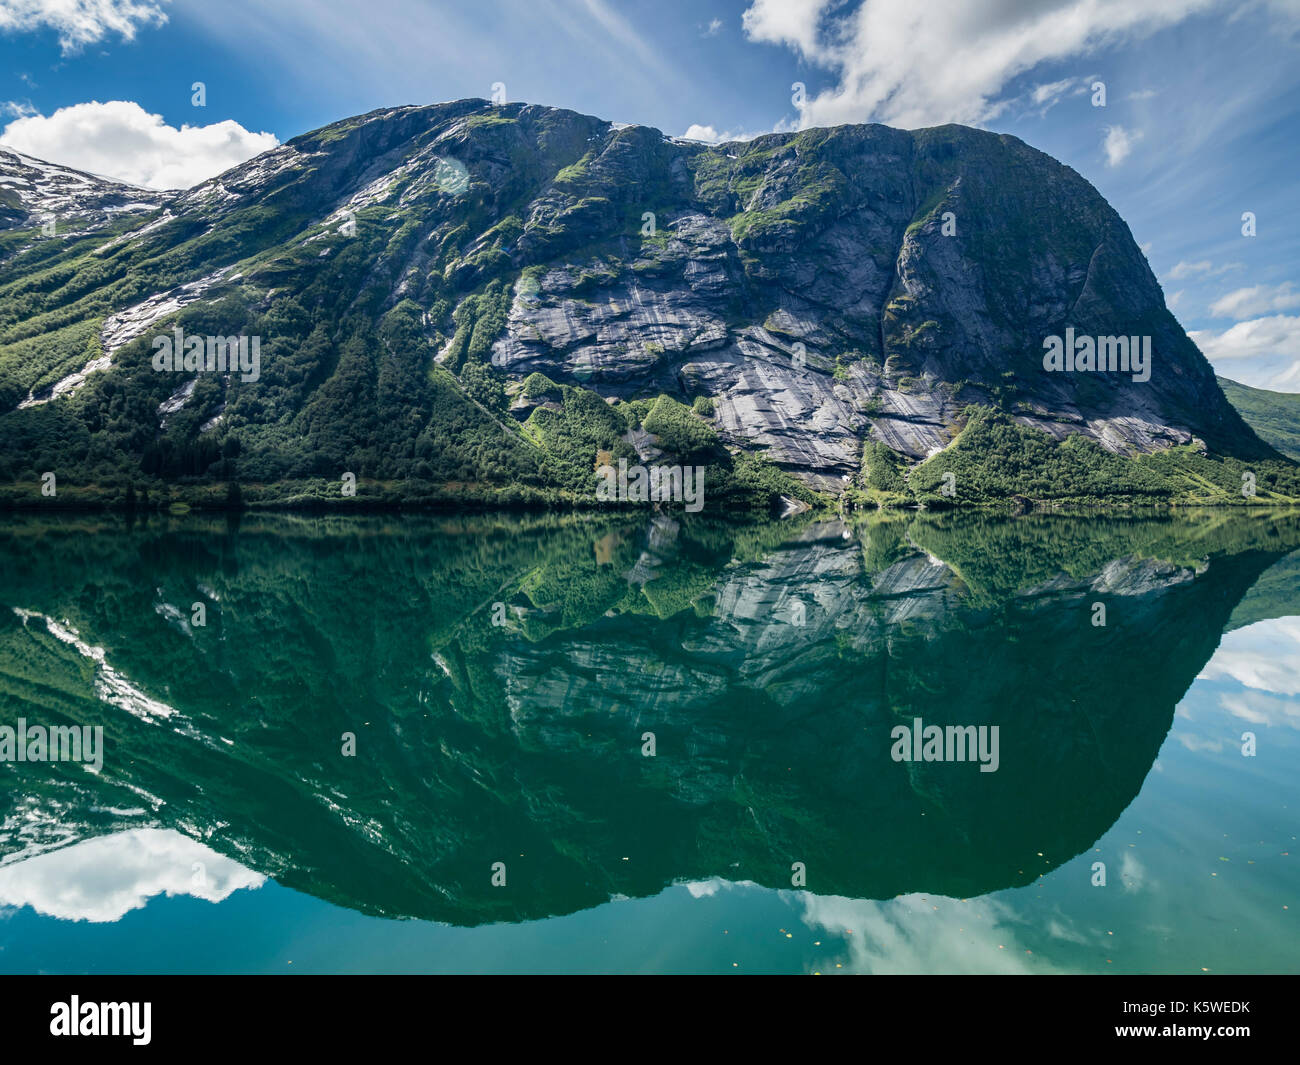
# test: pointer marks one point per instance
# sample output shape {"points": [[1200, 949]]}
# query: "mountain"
{"points": [[470, 302], [1275, 416], [31, 191]]}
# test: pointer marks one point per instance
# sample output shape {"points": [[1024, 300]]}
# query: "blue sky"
{"points": [[1201, 121]]}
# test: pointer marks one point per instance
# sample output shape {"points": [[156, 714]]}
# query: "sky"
{"points": [[1185, 114]]}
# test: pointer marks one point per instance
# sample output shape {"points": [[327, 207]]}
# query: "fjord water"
{"points": [[504, 676]]}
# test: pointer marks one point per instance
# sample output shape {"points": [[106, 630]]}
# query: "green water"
{"points": [[505, 678]]}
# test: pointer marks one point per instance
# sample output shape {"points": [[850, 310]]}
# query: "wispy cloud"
{"points": [[973, 49], [411, 51], [627, 38], [928, 933], [81, 22], [1256, 300], [1257, 708], [1184, 269]]}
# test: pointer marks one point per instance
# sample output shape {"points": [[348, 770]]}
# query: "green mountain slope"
{"points": [[1275, 416]]}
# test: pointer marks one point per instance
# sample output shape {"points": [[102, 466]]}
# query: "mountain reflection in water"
{"points": [[501, 674]]}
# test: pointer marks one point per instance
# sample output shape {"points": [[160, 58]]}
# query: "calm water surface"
{"points": [[504, 678]]}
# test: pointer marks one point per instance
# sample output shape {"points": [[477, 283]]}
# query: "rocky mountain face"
{"points": [[35, 193], [410, 271]]}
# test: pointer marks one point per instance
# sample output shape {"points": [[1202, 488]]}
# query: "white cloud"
{"points": [[696, 132], [924, 934], [1132, 872], [1256, 300], [1251, 339], [1118, 144], [712, 29], [1261, 709], [1046, 95], [1199, 743], [1264, 656], [80, 22], [1183, 269], [703, 889], [105, 878], [969, 49], [1049, 92], [1264, 352], [792, 22], [119, 139]]}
